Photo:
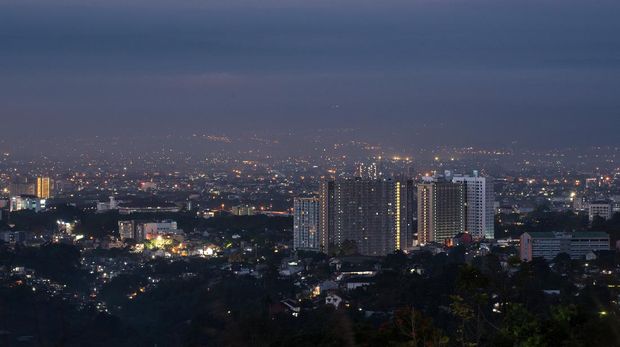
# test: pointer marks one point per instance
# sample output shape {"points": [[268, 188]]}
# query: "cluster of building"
{"points": [[41, 187], [452, 204], [147, 230], [378, 215], [129, 207], [243, 210], [25, 194]]}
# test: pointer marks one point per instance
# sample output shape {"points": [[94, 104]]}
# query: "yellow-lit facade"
{"points": [[43, 187], [398, 208]]}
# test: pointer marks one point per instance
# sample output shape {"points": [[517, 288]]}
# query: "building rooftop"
{"points": [[146, 204], [586, 234], [542, 235], [577, 234]]}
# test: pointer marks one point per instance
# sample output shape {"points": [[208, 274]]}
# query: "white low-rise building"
{"points": [[548, 245]]}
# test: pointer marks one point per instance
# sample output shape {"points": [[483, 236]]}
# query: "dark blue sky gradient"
{"points": [[429, 72]]}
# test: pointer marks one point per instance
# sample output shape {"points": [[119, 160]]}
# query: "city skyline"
{"points": [[355, 173]]}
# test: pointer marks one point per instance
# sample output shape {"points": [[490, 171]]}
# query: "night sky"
{"points": [[429, 72]]}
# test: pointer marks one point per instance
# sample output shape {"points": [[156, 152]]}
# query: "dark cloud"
{"points": [[421, 71]]}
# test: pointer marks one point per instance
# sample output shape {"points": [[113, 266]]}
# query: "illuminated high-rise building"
{"points": [[479, 201], [441, 210], [326, 214], [306, 224], [372, 213], [44, 187]]}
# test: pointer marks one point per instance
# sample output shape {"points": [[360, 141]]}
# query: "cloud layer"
{"points": [[444, 71]]}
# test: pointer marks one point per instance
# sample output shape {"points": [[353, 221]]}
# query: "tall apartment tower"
{"points": [[21, 186], [306, 234], [441, 210], [44, 187], [326, 215], [479, 200], [371, 212]]}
